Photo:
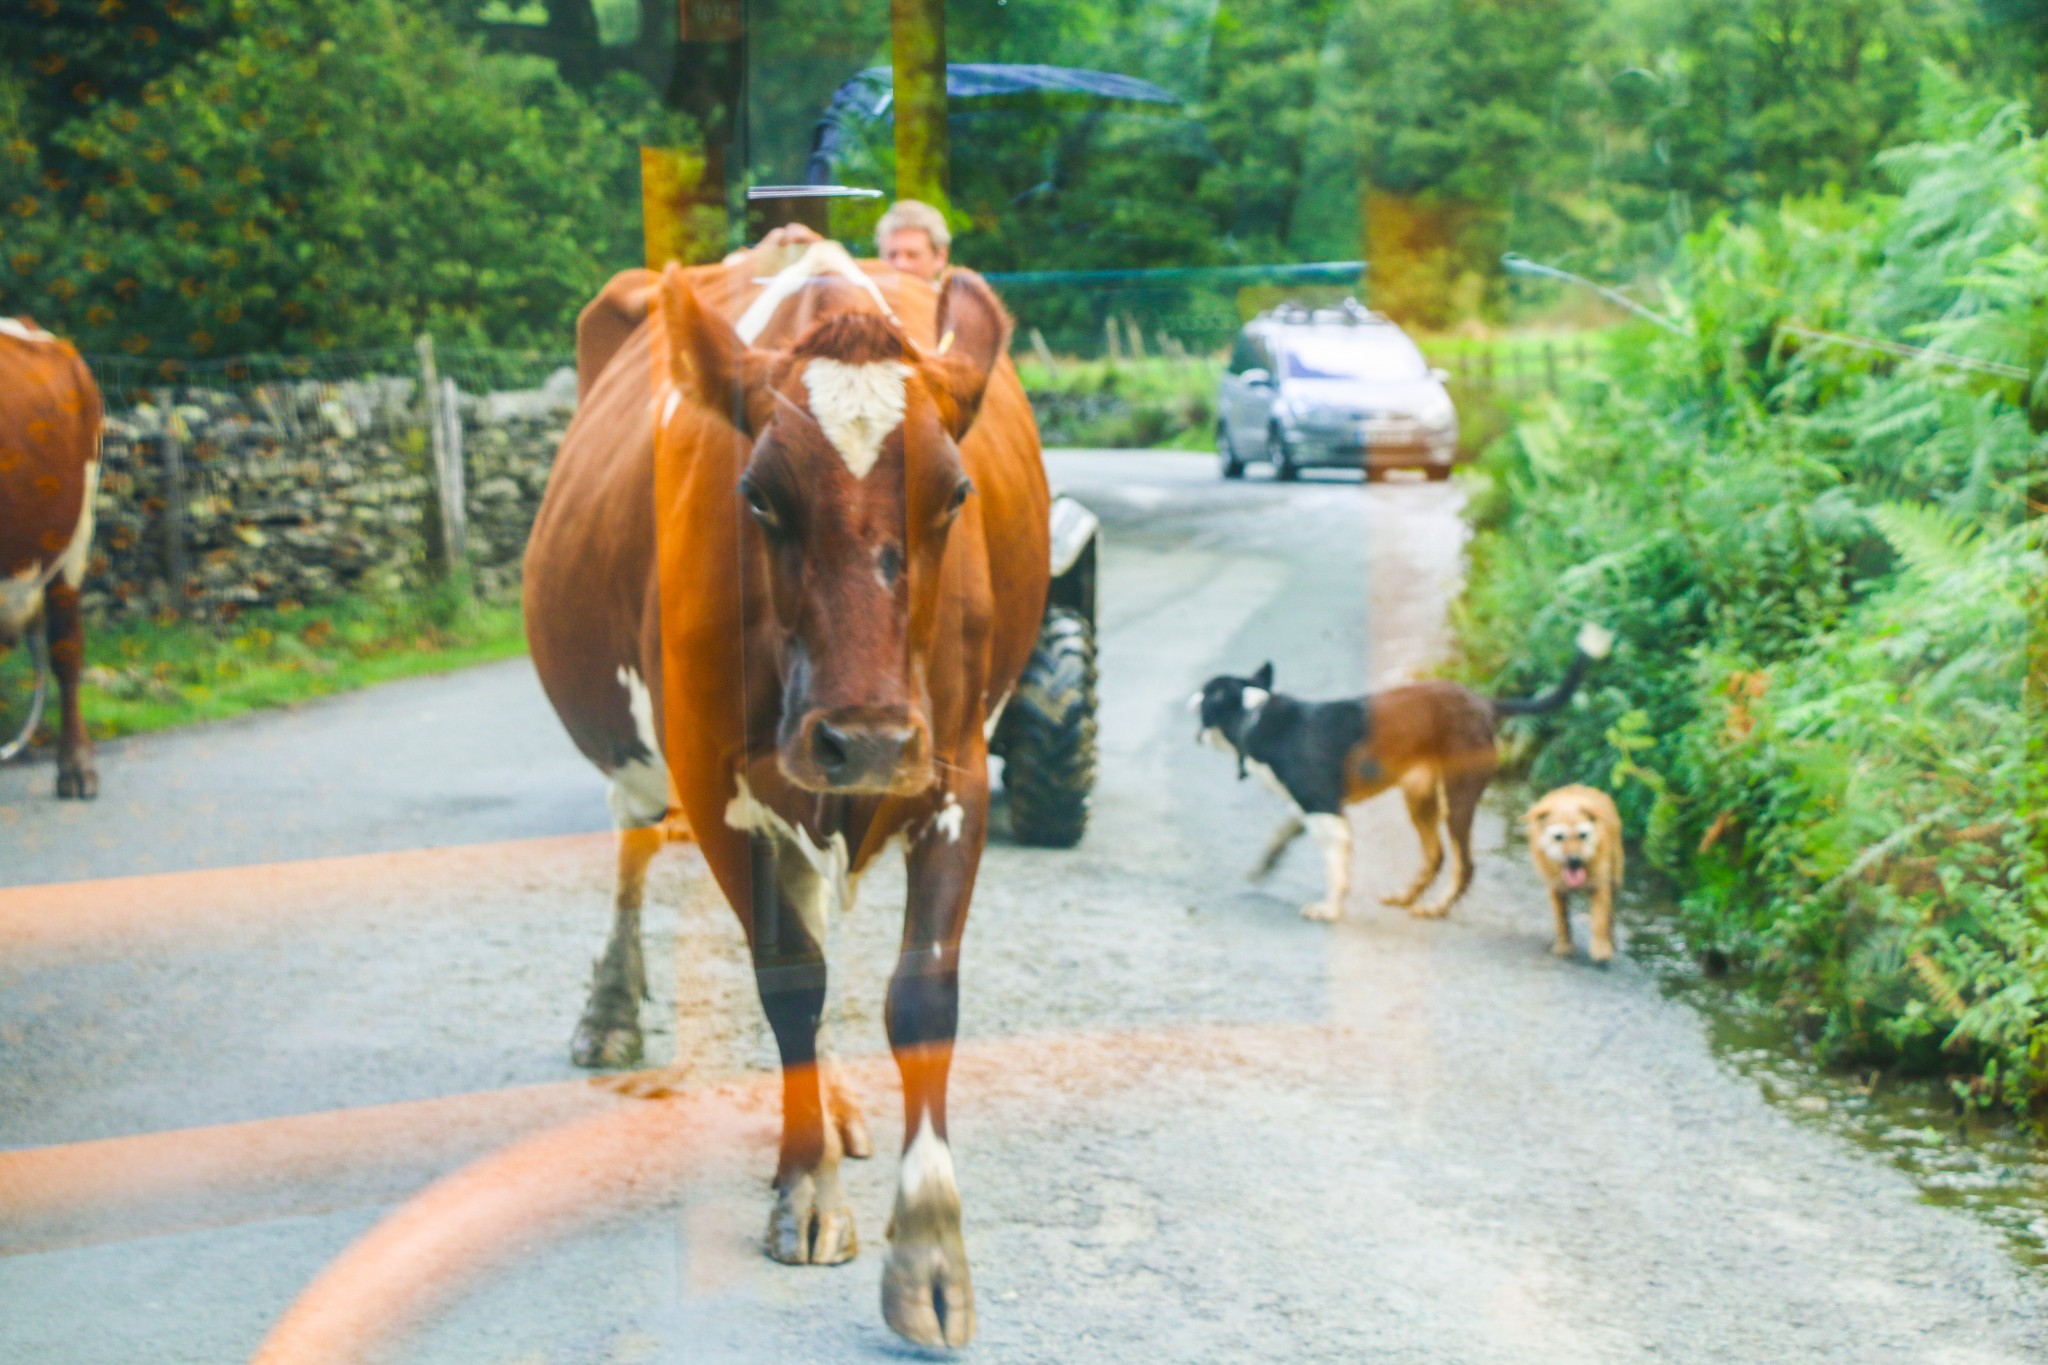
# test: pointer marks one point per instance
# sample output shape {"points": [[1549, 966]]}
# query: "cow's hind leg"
{"points": [[810, 1223], [927, 1291], [64, 623], [608, 1035]]}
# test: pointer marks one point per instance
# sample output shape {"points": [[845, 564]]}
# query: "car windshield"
{"points": [[1362, 355]]}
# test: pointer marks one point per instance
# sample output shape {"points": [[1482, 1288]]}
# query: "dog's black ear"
{"points": [[1264, 677]]}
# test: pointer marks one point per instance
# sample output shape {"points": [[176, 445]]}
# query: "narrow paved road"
{"points": [[1189, 1125]]}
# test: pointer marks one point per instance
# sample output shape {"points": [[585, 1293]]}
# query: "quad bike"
{"points": [[1045, 734]]}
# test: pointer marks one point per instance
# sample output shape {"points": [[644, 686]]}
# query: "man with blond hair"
{"points": [[912, 238]]}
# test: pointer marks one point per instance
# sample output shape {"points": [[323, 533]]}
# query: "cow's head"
{"points": [[852, 485]]}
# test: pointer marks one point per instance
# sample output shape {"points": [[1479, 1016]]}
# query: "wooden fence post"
{"points": [[175, 566], [434, 401]]}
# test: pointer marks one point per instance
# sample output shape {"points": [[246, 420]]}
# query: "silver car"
{"points": [[1332, 388]]}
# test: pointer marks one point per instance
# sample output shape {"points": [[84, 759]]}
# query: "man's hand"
{"points": [[791, 234]]}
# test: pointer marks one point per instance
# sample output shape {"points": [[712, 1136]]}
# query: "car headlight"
{"points": [[1437, 412]]}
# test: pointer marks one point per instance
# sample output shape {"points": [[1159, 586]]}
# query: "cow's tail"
{"points": [[1593, 644], [39, 654]]}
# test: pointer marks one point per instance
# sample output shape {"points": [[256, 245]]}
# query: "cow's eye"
{"points": [[758, 504], [889, 563], [959, 498]]}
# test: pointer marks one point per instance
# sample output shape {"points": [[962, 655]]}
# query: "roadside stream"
{"points": [[1989, 1167]]}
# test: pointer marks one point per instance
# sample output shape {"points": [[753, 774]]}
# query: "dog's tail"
{"points": [[1593, 644]]}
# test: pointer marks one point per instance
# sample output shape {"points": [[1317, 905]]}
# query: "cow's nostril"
{"points": [[829, 745]]}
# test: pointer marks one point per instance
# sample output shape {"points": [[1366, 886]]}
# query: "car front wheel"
{"points": [[1282, 459], [1233, 467]]}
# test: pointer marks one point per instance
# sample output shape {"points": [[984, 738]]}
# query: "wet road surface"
{"points": [[342, 949]]}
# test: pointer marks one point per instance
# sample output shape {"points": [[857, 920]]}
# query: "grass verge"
{"points": [[154, 675]]}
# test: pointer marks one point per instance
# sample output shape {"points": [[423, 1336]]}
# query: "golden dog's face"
{"points": [[1568, 836]]}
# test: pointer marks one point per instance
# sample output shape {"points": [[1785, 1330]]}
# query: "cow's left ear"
{"points": [[974, 334]]}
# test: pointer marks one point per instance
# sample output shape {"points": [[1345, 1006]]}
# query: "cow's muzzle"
{"points": [[860, 749]]}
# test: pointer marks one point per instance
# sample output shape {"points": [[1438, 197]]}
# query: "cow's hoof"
{"points": [[927, 1294], [605, 1046], [810, 1224], [77, 782]]}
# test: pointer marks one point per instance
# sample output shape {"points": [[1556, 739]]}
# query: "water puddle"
{"points": [[1988, 1167]]}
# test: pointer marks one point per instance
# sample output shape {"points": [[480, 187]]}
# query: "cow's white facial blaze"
{"points": [[857, 406]]}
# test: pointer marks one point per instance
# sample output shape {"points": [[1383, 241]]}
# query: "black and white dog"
{"points": [[1434, 740]]}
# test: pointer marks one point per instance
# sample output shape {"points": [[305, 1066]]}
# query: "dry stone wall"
{"points": [[301, 491]]}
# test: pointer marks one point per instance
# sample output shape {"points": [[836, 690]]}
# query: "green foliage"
{"points": [[319, 175], [1823, 572], [1132, 404]]}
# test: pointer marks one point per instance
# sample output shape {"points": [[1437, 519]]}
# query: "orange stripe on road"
{"points": [[81, 1193], [125, 913]]}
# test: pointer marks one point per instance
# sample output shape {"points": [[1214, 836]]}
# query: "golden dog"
{"points": [[1575, 839]]}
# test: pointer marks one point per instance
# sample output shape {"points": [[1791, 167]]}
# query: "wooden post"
{"points": [[454, 482], [431, 401], [917, 41], [1044, 353], [171, 443]]}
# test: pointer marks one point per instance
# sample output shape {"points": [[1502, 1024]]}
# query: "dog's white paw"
{"points": [[1322, 910], [1561, 948]]}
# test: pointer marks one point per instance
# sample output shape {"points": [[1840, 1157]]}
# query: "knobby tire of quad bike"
{"points": [[1047, 737]]}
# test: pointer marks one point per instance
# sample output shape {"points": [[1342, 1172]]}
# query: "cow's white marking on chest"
{"points": [[21, 331], [639, 786], [857, 406], [823, 258], [828, 861]]}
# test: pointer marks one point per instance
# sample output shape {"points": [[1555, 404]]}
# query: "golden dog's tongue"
{"points": [[1575, 877]]}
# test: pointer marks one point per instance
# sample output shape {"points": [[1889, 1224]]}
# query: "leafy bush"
{"points": [[311, 176], [1821, 563], [1129, 403]]}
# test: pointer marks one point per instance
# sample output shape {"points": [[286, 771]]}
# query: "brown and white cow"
{"points": [[49, 470], [791, 560]]}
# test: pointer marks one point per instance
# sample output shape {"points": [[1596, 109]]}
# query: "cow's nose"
{"points": [[858, 755]]}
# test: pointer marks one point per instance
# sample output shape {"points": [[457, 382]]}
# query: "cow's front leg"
{"points": [[927, 1292], [64, 623], [810, 1223]]}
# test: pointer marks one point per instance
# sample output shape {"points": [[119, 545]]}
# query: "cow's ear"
{"points": [[974, 334], [708, 361], [1264, 677]]}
